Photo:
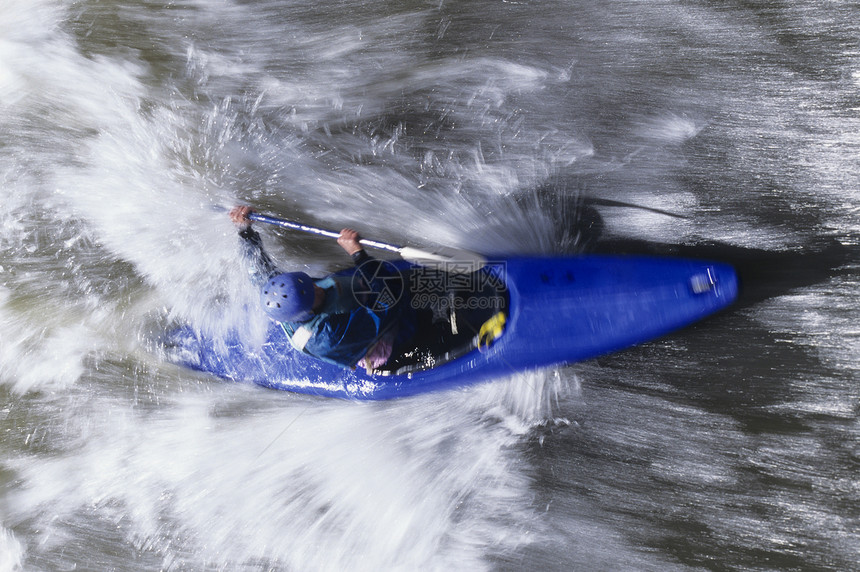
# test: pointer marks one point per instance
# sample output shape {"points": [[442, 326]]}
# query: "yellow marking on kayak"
{"points": [[491, 330]]}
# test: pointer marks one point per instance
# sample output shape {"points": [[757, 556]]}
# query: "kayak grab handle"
{"points": [[702, 283]]}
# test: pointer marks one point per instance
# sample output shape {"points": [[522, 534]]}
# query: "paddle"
{"points": [[454, 259]]}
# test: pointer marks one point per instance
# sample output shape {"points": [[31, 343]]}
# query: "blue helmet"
{"points": [[288, 297]]}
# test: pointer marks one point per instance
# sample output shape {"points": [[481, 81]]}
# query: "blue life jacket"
{"points": [[358, 309], [347, 324]]}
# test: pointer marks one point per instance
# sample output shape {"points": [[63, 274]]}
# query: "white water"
{"points": [[108, 235], [226, 477], [123, 123]]}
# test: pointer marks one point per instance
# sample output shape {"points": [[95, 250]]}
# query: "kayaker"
{"points": [[329, 318]]}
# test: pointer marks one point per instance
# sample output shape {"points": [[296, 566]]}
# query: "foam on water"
{"points": [[11, 552], [248, 479]]}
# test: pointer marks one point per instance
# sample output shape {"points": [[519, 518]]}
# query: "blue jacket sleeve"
{"points": [[259, 264]]}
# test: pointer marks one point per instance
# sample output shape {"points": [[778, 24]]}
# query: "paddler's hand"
{"points": [[348, 240], [239, 216]]}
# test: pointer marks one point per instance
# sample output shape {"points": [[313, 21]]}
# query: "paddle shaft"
{"points": [[320, 231], [454, 260]]}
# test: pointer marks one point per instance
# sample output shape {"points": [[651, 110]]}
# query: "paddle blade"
{"points": [[448, 259]]}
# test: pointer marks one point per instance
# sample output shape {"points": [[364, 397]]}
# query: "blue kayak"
{"points": [[517, 314]]}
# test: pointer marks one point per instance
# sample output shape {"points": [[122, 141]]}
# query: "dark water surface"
{"points": [[725, 130]]}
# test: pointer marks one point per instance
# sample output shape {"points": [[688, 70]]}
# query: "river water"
{"points": [[716, 129]]}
